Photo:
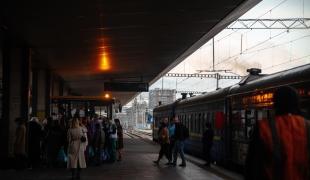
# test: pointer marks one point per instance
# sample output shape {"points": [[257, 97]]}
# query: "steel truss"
{"points": [[216, 76], [190, 92], [288, 23]]}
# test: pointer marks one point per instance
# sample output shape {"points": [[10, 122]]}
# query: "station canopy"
{"points": [[89, 42]]}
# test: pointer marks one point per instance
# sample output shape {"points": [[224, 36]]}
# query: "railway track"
{"points": [[145, 136]]}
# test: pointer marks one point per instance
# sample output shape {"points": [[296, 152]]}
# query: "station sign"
{"points": [[129, 87]]}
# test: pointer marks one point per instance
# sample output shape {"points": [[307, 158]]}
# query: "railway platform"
{"points": [[137, 164]]}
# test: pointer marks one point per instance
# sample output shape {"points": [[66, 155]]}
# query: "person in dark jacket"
{"points": [[207, 142], [35, 136], [180, 136], [120, 141], [97, 143]]}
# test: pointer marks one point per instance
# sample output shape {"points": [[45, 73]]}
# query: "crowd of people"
{"points": [[279, 148], [72, 143]]}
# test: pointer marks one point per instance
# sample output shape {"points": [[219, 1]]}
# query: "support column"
{"points": [[16, 93], [40, 93], [48, 93], [34, 94]]}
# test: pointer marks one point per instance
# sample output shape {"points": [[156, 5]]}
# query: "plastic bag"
{"points": [[91, 152], [62, 157], [104, 156]]}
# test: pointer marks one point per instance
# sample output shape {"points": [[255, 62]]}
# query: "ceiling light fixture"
{"points": [[104, 63]]}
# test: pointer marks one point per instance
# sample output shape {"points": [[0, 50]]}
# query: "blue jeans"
{"points": [[179, 148]]}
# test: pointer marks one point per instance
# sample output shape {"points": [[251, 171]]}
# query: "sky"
{"points": [[270, 50]]}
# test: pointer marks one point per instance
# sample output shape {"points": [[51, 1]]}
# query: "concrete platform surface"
{"points": [[136, 165]]}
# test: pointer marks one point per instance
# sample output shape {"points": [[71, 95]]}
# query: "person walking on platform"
{"points": [[181, 133], [280, 146], [120, 141], [207, 142], [76, 149], [171, 129], [35, 137], [164, 142]]}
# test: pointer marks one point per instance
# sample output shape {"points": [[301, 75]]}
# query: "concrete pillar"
{"points": [[66, 91], [34, 92], [48, 93], [40, 93], [61, 87], [16, 93], [3, 123], [55, 85]]}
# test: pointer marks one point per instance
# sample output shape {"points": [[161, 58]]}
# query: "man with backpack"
{"points": [[181, 134]]}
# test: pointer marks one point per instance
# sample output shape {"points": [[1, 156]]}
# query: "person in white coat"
{"points": [[77, 139]]}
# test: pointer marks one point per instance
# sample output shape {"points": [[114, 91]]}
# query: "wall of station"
{"points": [[25, 89]]}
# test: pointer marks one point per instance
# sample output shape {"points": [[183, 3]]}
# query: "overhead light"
{"points": [[104, 62], [107, 95]]}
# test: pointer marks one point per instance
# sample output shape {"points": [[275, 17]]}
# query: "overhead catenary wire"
{"points": [[286, 62], [254, 46], [277, 45]]}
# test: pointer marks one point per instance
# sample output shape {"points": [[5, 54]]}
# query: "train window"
{"points": [[191, 123], [202, 122], [187, 122], [212, 119], [194, 121], [199, 123]]}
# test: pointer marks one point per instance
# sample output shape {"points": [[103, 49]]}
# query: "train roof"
{"points": [[218, 94], [294, 75]]}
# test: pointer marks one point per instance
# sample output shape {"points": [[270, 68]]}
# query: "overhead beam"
{"points": [[193, 92], [287, 23], [216, 76]]}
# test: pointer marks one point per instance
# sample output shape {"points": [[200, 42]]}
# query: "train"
{"points": [[233, 111]]}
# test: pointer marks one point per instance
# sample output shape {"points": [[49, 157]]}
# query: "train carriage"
{"points": [[233, 112], [195, 112], [251, 102]]}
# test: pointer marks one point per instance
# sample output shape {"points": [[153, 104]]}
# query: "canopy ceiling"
{"points": [[141, 39]]}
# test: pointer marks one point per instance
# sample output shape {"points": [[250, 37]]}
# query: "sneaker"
{"points": [[182, 165]]}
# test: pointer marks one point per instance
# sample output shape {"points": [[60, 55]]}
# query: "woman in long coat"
{"points": [[76, 149]]}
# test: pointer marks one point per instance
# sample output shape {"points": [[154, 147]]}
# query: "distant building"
{"points": [[165, 96]]}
